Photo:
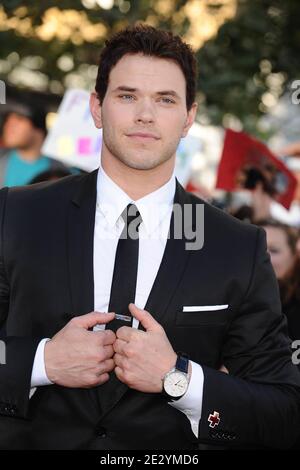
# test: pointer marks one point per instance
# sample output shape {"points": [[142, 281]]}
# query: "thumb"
{"points": [[91, 319], [145, 318]]}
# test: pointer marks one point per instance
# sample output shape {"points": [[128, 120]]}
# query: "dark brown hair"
{"points": [[291, 233], [144, 39], [289, 285]]}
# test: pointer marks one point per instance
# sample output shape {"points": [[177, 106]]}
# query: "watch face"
{"points": [[176, 384]]}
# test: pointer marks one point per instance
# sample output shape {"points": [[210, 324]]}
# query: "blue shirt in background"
{"points": [[20, 172]]}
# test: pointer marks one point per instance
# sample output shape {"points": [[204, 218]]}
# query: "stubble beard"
{"points": [[132, 158]]}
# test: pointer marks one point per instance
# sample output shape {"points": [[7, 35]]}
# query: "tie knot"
{"points": [[132, 219], [130, 213]]}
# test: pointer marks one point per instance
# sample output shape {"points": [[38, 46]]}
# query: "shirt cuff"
{"points": [[38, 375], [191, 402]]}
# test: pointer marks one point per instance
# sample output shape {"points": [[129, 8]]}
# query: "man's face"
{"points": [[17, 131], [143, 114]]}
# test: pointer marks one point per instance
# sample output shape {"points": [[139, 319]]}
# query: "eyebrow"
{"points": [[160, 93]]}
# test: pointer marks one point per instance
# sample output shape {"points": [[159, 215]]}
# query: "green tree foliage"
{"points": [[253, 58], [242, 70]]}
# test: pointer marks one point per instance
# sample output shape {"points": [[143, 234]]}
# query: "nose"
{"points": [[145, 113]]}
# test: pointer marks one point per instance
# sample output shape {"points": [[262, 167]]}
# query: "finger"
{"points": [[97, 380], [145, 318], [119, 374], [107, 366], [119, 360], [109, 337], [103, 378], [91, 319], [119, 346], [126, 333], [107, 352]]}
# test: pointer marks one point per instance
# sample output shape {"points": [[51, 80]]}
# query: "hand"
{"points": [[261, 203], [292, 149], [142, 358], [78, 358]]}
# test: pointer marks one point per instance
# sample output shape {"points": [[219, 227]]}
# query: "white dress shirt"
{"points": [[156, 211]]}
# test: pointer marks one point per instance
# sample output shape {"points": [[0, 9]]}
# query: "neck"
{"points": [[31, 152], [137, 183]]}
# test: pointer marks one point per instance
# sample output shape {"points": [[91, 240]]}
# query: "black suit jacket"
{"points": [[46, 278]]}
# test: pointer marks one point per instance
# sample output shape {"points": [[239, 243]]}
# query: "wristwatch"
{"points": [[176, 381]]}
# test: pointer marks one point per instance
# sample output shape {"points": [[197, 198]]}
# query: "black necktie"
{"points": [[123, 285]]}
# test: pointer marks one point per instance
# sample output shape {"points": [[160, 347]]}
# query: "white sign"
{"points": [[74, 139]]}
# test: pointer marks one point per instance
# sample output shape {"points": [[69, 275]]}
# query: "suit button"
{"points": [[101, 432]]}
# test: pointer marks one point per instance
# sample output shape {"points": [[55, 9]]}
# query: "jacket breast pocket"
{"points": [[203, 317]]}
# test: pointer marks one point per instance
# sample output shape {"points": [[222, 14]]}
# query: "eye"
{"points": [[126, 97], [168, 100], [273, 251]]}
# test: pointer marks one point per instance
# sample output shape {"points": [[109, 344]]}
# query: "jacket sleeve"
{"points": [[16, 353], [257, 403]]}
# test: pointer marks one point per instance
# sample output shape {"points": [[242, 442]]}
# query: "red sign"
{"points": [[245, 161]]}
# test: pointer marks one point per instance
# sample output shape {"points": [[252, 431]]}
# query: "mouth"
{"points": [[144, 136]]}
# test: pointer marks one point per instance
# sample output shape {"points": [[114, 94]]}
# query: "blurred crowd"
{"points": [[282, 226], [23, 130]]}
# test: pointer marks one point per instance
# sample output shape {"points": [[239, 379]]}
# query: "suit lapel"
{"points": [[80, 239], [164, 287], [173, 262]]}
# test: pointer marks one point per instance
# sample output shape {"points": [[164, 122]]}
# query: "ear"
{"points": [[191, 115], [95, 108]]}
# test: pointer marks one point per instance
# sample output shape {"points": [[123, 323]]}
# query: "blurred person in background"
{"points": [[23, 134], [298, 244], [252, 201], [264, 192], [289, 216], [256, 202], [282, 246]]}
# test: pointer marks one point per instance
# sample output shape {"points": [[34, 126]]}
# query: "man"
{"points": [[107, 380], [23, 134]]}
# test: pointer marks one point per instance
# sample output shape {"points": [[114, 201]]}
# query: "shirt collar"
{"points": [[112, 200]]}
